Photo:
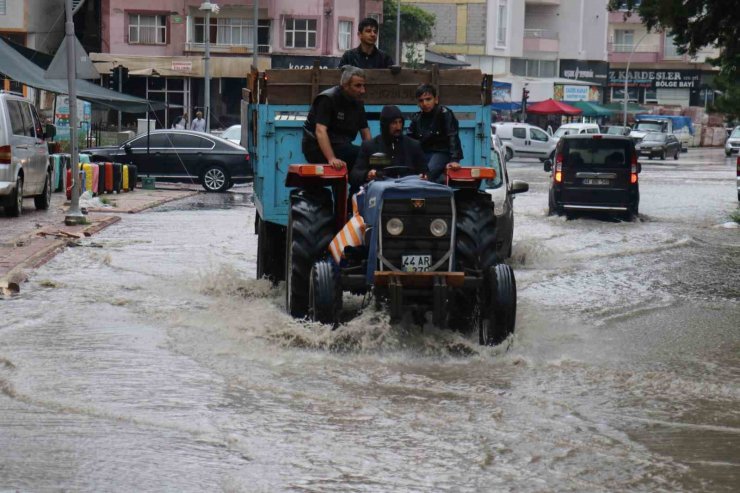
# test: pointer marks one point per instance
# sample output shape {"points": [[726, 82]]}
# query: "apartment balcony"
{"points": [[223, 49], [619, 18], [620, 53], [541, 40]]}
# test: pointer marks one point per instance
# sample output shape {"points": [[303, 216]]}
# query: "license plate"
{"points": [[416, 263], [595, 181]]}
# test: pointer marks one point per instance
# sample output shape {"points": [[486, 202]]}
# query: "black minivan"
{"points": [[595, 173]]}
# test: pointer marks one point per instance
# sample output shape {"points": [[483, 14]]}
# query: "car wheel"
{"points": [[43, 201], [662, 155], [310, 229], [15, 206], [675, 156], [215, 179]]}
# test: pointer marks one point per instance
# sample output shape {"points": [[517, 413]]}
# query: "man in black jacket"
{"points": [[333, 121], [401, 150], [367, 55], [436, 128]]}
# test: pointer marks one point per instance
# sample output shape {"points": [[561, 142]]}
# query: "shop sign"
{"points": [[575, 93], [182, 66], [304, 62], [588, 71], [657, 79]]}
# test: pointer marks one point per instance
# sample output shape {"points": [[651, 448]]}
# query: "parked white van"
{"points": [[25, 170], [524, 140], [576, 129]]}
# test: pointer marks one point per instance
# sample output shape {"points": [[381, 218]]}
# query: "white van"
{"points": [[25, 170], [575, 129], [524, 140]]}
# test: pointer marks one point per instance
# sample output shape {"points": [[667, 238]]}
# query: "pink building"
{"points": [[162, 45]]}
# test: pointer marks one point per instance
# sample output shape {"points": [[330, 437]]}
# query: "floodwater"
{"points": [[149, 359]]}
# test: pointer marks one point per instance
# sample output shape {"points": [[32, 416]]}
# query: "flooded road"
{"points": [[149, 359]]}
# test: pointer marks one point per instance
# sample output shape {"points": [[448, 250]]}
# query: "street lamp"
{"points": [[627, 76], [208, 7]]}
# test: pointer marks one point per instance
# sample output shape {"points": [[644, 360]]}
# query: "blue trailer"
{"points": [[274, 110]]}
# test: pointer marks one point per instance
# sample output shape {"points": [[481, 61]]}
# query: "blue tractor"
{"points": [[426, 247]]}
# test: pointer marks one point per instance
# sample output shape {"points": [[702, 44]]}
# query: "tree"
{"points": [[416, 25], [695, 24]]}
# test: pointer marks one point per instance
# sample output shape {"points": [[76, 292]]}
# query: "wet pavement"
{"points": [[150, 359]]}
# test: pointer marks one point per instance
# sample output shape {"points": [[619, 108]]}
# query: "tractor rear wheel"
{"points": [[310, 230]]}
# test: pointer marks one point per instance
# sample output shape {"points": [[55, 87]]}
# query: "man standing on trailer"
{"points": [[367, 55], [335, 117]]}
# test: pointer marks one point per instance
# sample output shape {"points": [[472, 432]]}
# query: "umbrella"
{"points": [[552, 107], [591, 109]]}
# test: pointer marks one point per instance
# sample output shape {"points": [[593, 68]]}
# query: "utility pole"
{"points": [[208, 7], [74, 214], [627, 77], [398, 32], [256, 34]]}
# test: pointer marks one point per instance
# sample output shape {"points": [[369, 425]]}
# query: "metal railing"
{"points": [[541, 34]]}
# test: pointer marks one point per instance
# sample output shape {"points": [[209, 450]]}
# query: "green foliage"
{"points": [[416, 25], [695, 24]]}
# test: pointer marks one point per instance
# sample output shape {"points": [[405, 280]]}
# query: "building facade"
{"points": [[658, 73], [162, 44]]}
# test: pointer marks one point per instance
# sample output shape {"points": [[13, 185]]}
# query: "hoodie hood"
{"points": [[387, 115]]}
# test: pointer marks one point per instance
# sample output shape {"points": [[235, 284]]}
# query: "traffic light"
{"points": [[113, 79], [123, 74], [525, 97]]}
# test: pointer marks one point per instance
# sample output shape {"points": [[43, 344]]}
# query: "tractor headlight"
{"points": [[438, 227], [394, 226]]}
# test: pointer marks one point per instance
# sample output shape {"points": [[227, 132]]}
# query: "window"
{"points": [[234, 31], [502, 23], [15, 110], [670, 50], [533, 68], [345, 35], [183, 141], [147, 29], [538, 135], [300, 33], [496, 163], [3, 9], [519, 132], [623, 39], [155, 140]]}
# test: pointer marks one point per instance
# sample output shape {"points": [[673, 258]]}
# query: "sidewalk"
{"points": [[29, 241]]}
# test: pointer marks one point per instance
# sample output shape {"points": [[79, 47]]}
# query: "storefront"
{"points": [[595, 73], [304, 62], [656, 86]]}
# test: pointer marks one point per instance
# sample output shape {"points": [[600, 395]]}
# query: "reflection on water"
{"points": [[158, 362]]}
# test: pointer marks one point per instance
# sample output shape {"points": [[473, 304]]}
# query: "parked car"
{"points": [[575, 129], [502, 192], [656, 144], [524, 140], [594, 173], [233, 134], [182, 155], [617, 130], [25, 170], [732, 145]]}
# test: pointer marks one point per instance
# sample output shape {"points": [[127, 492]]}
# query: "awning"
{"points": [[590, 109], [17, 67], [552, 107], [431, 57]]}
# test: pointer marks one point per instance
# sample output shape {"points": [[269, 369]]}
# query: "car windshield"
{"points": [[654, 137], [564, 131], [595, 153], [649, 127], [736, 133], [233, 132]]}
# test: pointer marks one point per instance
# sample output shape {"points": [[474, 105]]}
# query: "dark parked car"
{"points": [[656, 144], [594, 173], [182, 155]]}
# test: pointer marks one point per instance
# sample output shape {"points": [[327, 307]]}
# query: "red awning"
{"points": [[552, 107]]}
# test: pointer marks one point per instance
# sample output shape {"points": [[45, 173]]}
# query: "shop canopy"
{"points": [[632, 108], [19, 68], [590, 109], [552, 107]]}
